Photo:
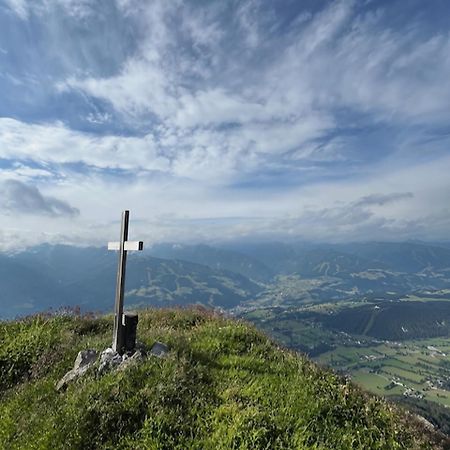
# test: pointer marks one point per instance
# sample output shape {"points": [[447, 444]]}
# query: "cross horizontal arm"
{"points": [[128, 245]]}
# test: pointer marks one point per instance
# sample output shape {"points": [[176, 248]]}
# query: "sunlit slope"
{"points": [[224, 385]]}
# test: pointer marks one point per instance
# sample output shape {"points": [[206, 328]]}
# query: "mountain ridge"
{"points": [[265, 273]]}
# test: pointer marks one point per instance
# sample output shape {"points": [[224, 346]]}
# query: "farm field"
{"points": [[417, 369]]}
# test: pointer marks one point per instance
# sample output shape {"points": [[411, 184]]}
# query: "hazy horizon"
{"points": [[233, 244]]}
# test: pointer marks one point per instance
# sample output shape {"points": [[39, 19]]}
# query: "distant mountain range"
{"points": [[47, 276], [223, 276], [217, 258], [334, 259]]}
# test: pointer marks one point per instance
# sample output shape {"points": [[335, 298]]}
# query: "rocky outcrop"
{"points": [[132, 360], [109, 360], [85, 360], [159, 349]]}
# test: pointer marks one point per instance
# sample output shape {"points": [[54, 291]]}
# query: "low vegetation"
{"points": [[224, 385], [409, 372]]}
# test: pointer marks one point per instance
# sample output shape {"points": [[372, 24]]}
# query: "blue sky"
{"points": [[211, 120]]}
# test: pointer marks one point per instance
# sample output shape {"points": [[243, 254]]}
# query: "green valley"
{"points": [[387, 355]]}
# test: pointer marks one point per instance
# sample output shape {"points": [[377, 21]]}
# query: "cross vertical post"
{"points": [[118, 334], [123, 325]]}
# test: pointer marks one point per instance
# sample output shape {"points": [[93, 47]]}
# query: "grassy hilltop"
{"points": [[224, 385]]}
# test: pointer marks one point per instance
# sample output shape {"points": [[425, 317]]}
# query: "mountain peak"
{"points": [[223, 385]]}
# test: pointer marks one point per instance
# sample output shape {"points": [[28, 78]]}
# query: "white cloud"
{"points": [[98, 118], [141, 87], [220, 101], [215, 106], [55, 143], [23, 172], [338, 59], [201, 154], [386, 205]]}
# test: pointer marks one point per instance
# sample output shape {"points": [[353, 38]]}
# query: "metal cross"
{"points": [[122, 246]]}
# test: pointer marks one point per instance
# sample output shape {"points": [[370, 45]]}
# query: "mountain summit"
{"points": [[223, 385]]}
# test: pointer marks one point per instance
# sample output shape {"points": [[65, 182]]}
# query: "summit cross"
{"points": [[123, 246]]}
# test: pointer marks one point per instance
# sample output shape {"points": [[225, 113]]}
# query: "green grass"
{"points": [[408, 375], [224, 385], [371, 381]]}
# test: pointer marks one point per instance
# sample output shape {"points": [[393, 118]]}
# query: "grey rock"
{"points": [[109, 359], [66, 379], [85, 359], [159, 349], [129, 361]]}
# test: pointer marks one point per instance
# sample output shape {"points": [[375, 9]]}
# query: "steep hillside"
{"points": [[223, 385], [154, 281], [54, 276]]}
